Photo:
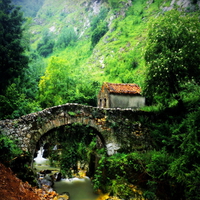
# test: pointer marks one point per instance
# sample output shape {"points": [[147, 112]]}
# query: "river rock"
{"points": [[46, 172], [58, 176], [46, 182]]}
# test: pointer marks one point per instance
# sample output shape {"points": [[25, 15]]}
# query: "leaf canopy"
{"points": [[172, 56]]}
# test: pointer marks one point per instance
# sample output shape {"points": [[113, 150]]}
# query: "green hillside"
{"points": [[29, 8], [96, 41]]}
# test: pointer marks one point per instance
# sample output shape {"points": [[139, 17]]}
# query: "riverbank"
{"points": [[13, 188]]}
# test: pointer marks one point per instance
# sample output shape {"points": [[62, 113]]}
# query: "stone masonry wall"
{"points": [[120, 128]]}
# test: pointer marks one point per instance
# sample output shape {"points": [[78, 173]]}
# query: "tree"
{"points": [[114, 3], [56, 86], [46, 45], [12, 58], [99, 32], [67, 37], [172, 56], [61, 84], [99, 18]]}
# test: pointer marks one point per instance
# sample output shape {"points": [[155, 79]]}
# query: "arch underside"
{"points": [[103, 132]]}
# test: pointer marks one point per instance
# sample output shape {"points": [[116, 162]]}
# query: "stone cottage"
{"points": [[120, 95]]}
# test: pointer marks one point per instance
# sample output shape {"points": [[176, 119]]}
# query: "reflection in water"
{"points": [[78, 188]]}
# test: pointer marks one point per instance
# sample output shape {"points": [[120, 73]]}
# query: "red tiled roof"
{"points": [[122, 88]]}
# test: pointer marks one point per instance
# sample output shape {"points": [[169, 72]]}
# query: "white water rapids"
{"points": [[39, 160]]}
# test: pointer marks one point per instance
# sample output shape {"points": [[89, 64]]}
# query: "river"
{"points": [[77, 188]]}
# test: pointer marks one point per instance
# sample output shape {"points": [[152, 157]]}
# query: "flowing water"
{"points": [[39, 160], [77, 188]]}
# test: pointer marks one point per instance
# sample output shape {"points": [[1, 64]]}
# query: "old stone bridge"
{"points": [[118, 128]]}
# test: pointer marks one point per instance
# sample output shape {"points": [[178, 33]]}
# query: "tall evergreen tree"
{"points": [[12, 58]]}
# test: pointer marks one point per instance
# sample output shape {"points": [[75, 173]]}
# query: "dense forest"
{"points": [[57, 52]]}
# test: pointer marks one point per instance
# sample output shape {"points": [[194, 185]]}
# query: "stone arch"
{"points": [[67, 114], [112, 123], [59, 122], [92, 165], [44, 135]]}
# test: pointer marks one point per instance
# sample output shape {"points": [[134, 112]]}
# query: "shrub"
{"points": [[99, 32], [67, 37], [9, 150], [46, 45]]}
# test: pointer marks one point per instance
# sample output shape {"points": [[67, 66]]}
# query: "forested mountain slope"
{"points": [[29, 8], [84, 43]]}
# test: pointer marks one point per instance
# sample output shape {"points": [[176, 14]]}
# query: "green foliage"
{"points": [[185, 168], [46, 45], [12, 58], [178, 163], [116, 3], [14, 104], [56, 84], [118, 173], [137, 9], [12, 156], [77, 145], [9, 150], [113, 3], [123, 57], [71, 113], [158, 165], [98, 33], [25, 40], [122, 68], [14, 93], [99, 18], [172, 56], [170, 172], [61, 84], [66, 37], [32, 76], [99, 177]]}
